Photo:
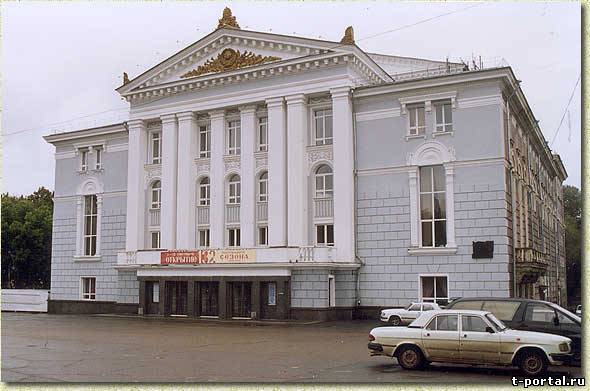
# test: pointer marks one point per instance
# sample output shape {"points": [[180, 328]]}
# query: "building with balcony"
{"points": [[269, 177]]}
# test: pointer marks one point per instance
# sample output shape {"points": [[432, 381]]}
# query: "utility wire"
{"points": [[565, 111]]}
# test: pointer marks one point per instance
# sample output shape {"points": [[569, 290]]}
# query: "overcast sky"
{"points": [[62, 61]]}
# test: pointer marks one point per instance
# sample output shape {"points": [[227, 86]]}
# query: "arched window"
{"points": [[204, 194], [263, 187], [234, 190], [324, 181], [156, 195]]}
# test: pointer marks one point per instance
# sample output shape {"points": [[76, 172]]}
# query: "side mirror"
{"points": [[490, 330], [556, 320]]}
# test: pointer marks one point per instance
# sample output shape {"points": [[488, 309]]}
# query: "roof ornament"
{"points": [[125, 78], [228, 20], [348, 38]]}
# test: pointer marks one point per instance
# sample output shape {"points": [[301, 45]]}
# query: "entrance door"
{"points": [[268, 300], [152, 297], [176, 297], [241, 299], [208, 294]]}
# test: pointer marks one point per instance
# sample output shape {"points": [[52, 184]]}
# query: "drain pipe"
{"points": [[355, 181]]}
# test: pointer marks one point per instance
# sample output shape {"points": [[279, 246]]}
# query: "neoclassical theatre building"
{"points": [[266, 176]]}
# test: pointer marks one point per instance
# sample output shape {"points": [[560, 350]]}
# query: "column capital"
{"points": [[186, 116], [217, 114], [168, 118], [340, 92], [274, 102], [296, 99], [136, 124], [247, 109]]}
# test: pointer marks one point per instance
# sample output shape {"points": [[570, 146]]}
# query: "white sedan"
{"points": [[468, 337], [397, 316]]}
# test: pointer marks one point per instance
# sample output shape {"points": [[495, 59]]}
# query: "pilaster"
{"points": [[186, 200], [450, 194], [136, 205], [169, 181], [248, 193], [277, 172], [217, 215]]}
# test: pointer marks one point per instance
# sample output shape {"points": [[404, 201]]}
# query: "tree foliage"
{"points": [[572, 200], [26, 240]]}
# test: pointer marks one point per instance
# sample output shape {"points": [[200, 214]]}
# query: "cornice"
{"points": [[99, 131]]}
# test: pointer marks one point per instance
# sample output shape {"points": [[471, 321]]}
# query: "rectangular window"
{"points": [[444, 117], [156, 147], [98, 165], [325, 234], [322, 122], [204, 193], [233, 237], [272, 294], [155, 292], [433, 206], [417, 120], [205, 141], [83, 160], [88, 288], [434, 289], [204, 238], [233, 137], [155, 239], [331, 291], [263, 236], [263, 134], [90, 224]]}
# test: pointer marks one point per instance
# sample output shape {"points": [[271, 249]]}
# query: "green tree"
{"points": [[26, 240], [572, 200]]}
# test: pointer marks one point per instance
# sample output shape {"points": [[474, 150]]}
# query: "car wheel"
{"points": [[395, 320], [410, 357], [532, 363]]}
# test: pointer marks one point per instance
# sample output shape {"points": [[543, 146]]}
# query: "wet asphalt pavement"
{"points": [[87, 348]]}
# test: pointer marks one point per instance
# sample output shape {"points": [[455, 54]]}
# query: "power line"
{"points": [[565, 111]]}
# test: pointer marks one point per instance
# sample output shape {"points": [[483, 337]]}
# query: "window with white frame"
{"points": [[204, 237], [444, 116], [84, 159], [433, 206], [204, 192], [156, 147], [90, 224], [88, 288], [263, 235], [263, 134], [233, 237], [324, 234], [156, 195], [233, 137], [98, 161], [322, 127], [155, 239], [234, 190], [417, 118], [263, 187], [205, 141], [324, 181], [434, 289]]}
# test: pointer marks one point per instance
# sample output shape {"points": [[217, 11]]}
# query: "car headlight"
{"points": [[564, 347]]}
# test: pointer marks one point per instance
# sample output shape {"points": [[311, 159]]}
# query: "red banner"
{"points": [[195, 257]]}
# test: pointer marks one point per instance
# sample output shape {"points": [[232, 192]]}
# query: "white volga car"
{"points": [[470, 337], [397, 316]]}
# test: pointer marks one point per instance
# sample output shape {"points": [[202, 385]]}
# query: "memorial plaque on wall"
{"points": [[483, 250]]}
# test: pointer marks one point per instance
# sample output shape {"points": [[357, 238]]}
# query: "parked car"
{"points": [[470, 337], [398, 316], [530, 315], [579, 310]]}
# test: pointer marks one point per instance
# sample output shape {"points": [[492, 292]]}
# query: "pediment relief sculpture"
{"points": [[230, 59]]}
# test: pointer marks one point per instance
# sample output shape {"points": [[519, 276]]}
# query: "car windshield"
{"points": [[566, 313], [496, 322], [408, 306]]}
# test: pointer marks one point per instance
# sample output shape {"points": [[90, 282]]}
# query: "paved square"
{"points": [[86, 348]]}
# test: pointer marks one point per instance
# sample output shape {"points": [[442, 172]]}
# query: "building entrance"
{"points": [[152, 297], [176, 297], [241, 299], [208, 298]]}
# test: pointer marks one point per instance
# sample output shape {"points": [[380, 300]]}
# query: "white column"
{"points": [[413, 177], [248, 193], [343, 151], [98, 222], [186, 225], [80, 226], [136, 206], [296, 175], [217, 172], [169, 181], [277, 173], [450, 195]]}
